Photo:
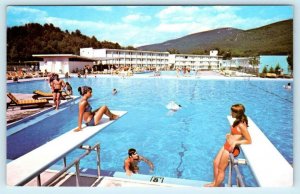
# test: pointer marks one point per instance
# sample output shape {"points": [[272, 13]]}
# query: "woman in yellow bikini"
{"points": [[238, 135], [90, 117]]}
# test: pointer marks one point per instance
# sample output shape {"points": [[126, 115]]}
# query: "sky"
{"points": [[143, 25]]}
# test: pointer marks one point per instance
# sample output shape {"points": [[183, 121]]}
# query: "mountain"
{"points": [[275, 38]]}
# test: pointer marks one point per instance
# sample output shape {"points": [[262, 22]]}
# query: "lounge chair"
{"points": [[47, 95], [16, 102]]}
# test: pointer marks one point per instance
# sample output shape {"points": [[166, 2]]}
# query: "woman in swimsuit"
{"points": [[237, 136], [90, 117]]}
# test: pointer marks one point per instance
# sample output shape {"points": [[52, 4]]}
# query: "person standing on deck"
{"points": [[57, 85]]}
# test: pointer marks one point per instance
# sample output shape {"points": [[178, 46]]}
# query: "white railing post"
{"points": [[98, 159], [77, 173]]}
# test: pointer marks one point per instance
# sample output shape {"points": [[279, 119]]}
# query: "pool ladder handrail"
{"points": [[75, 163], [233, 163]]}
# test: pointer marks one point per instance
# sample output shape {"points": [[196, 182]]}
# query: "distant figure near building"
{"points": [[131, 163], [69, 89], [67, 75], [85, 72]]}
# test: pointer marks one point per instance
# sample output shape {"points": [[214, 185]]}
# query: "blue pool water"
{"points": [[181, 144]]}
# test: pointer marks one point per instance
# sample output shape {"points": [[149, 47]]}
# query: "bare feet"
{"points": [[114, 117], [210, 184], [77, 129]]}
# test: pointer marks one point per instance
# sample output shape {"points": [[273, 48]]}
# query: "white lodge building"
{"points": [[163, 60], [195, 62], [132, 58], [62, 63]]}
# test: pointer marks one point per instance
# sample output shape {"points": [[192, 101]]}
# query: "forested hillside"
{"points": [[23, 41], [275, 39]]}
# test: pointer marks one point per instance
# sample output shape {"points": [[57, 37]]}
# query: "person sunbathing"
{"points": [[91, 118]]}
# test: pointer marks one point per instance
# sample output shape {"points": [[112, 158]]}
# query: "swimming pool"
{"points": [[181, 144]]}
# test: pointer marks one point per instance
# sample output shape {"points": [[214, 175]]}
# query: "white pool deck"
{"points": [[28, 166], [269, 167], [69, 179]]}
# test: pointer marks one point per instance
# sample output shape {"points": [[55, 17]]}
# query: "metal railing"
{"points": [[233, 164], [75, 163]]}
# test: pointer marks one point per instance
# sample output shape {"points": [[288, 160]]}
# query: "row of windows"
{"points": [[197, 62], [131, 59], [196, 58], [161, 64], [138, 57], [141, 54]]}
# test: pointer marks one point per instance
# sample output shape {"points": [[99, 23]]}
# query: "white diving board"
{"points": [[28, 166], [269, 167]]}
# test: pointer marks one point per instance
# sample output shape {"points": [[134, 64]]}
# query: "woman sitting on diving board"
{"points": [[91, 118]]}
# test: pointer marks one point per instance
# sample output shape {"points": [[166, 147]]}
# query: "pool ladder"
{"points": [[233, 164], [75, 163]]}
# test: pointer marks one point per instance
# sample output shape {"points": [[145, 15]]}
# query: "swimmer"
{"points": [[114, 91], [131, 163], [173, 106], [288, 86]]}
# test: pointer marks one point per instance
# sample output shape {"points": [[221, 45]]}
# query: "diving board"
{"points": [[269, 167], [28, 166]]}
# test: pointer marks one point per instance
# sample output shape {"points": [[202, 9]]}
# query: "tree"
{"points": [[173, 51], [271, 70], [254, 61], [290, 62], [277, 69], [227, 55], [130, 48], [33, 38], [265, 70], [78, 33]]}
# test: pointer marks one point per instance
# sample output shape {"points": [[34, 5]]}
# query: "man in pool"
{"points": [[131, 163]]}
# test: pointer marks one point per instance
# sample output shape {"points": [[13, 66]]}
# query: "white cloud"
{"points": [[136, 17], [100, 8], [225, 8], [191, 19], [176, 12], [25, 11], [170, 23], [132, 7], [26, 15]]}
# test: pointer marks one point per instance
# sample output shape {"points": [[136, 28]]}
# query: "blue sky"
{"points": [[142, 25]]}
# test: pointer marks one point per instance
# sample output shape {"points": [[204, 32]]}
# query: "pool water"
{"points": [[181, 144]]}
